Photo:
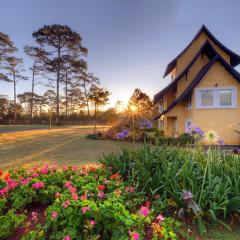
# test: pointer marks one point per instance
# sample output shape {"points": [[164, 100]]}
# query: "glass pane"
{"points": [[225, 97], [207, 97]]}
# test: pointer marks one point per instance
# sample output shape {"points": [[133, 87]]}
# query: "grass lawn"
{"points": [[224, 234], [66, 146], [14, 128]]}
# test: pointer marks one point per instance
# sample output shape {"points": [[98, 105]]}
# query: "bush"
{"points": [[86, 203], [199, 184]]}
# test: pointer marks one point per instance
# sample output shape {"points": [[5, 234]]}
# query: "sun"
{"points": [[133, 108]]}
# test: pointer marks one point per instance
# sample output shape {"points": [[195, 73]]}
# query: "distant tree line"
{"points": [[59, 65]]}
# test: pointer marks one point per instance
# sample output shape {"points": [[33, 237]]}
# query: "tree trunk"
{"points": [[58, 80], [95, 118], [33, 83], [15, 98], [3, 112], [66, 96], [86, 97]]}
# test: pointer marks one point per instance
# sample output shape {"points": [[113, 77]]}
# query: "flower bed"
{"points": [[199, 186], [77, 203]]}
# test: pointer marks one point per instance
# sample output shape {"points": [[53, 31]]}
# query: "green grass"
{"points": [[64, 146], [223, 234], [14, 128]]}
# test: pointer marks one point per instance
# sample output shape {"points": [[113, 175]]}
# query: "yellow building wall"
{"points": [[188, 55], [184, 82], [222, 121]]}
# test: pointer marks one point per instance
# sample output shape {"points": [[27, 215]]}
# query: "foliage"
{"points": [[99, 97], [141, 101], [165, 172], [60, 40], [9, 222], [85, 203]]}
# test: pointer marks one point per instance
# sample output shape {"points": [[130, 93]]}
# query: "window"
{"points": [[216, 98], [225, 97], [207, 98], [189, 102], [188, 125]]}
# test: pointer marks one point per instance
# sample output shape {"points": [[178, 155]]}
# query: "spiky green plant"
{"points": [[212, 177]]}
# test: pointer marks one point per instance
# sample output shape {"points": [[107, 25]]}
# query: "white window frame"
{"points": [[186, 124], [216, 97]]}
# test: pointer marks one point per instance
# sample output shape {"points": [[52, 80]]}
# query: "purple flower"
{"points": [[198, 131], [145, 124], [187, 196], [220, 141], [123, 134]]}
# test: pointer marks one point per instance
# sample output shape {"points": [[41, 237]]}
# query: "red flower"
{"points": [[7, 176], [1, 172], [147, 204], [115, 176], [101, 187]]}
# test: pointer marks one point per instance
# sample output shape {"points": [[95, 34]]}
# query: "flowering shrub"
{"points": [[78, 203], [122, 135]]}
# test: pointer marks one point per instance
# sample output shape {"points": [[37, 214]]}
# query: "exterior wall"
{"points": [[222, 121], [180, 112], [188, 55], [193, 71]]}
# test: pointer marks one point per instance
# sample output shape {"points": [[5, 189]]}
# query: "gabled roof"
{"points": [[198, 78], [234, 58], [205, 48]]}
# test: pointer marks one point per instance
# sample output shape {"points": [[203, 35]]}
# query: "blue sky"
{"points": [[130, 42]]}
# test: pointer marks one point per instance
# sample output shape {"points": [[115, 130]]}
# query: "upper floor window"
{"points": [[188, 102], [216, 98]]}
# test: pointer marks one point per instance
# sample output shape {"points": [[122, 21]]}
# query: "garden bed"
{"points": [[156, 192], [77, 203]]}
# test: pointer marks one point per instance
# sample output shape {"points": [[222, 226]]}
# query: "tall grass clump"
{"points": [[205, 183]]}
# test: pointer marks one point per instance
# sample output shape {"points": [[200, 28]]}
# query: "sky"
{"points": [[130, 42]]}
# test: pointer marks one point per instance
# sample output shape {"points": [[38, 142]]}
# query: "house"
{"points": [[204, 91]]}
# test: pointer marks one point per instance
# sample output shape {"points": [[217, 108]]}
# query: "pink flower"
{"points": [[54, 215], [11, 183], [106, 181], [57, 195], [38, 185], [74, 168], [144, 211], [26, 180], [67, 237], [72, 189], [66, 204], [85, 209], [130, 189], [160, 218], [34, 216], [65, 168], [101, 194], [3, 191], [135, 236], [83, 197], [35, 174], [44, 170], [92, 222], [68, 184], [74, 196]]}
